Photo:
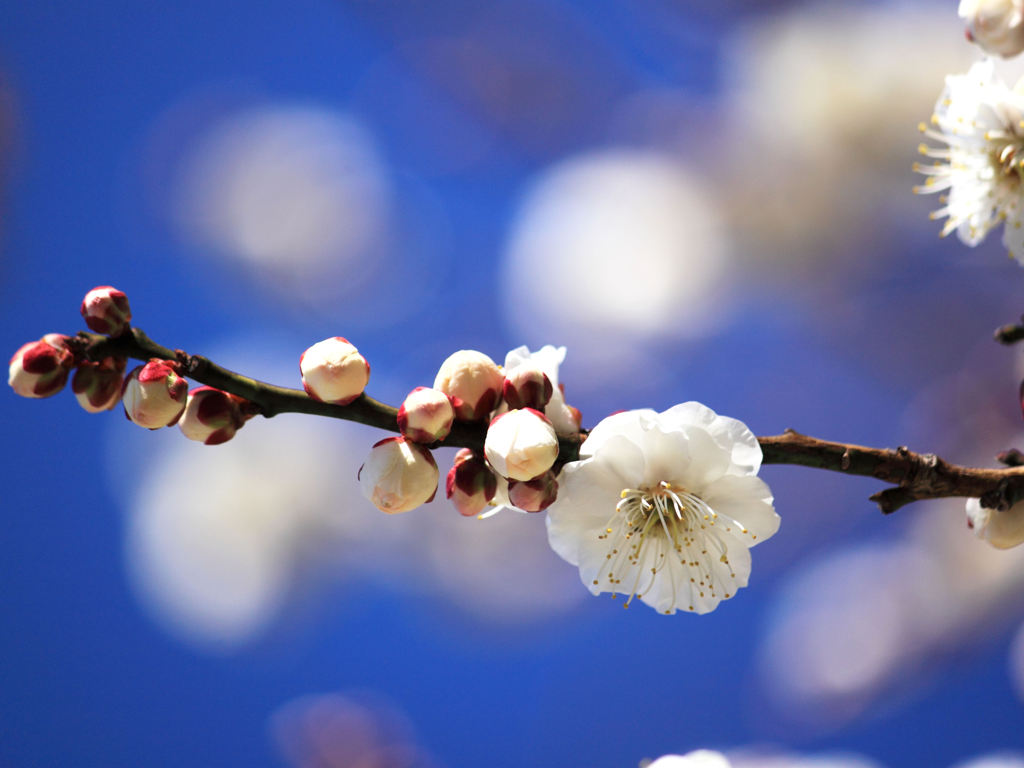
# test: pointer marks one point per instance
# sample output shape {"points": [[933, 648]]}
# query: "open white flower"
{"points": [[980, 171], [664, 507]]}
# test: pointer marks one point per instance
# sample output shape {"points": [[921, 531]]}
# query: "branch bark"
{"points": [[914, 476]]}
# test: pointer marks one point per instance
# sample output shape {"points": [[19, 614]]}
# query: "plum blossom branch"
{"points": [[270, 400], [914, 476]]}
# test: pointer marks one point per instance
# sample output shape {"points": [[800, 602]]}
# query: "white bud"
{"points": [[473, 382], [996, 25], [154, 394], [1000, 528], [426, 415], [398, 475], [521, 444], [333, 371]]}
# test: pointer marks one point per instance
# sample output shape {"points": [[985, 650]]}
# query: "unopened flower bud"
{"points": [[98, 385], [106, 310], [1000, 528], [527, 386], [473, 381], [996, 25], [533, 495], [521, 444], [154, 394], [470, 484], [398, 475], [333, 371], [211, 416], [426, 415], [40, 368]]}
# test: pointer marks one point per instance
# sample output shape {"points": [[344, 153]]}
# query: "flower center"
{"points": [[652, 527], [1007, 155]]}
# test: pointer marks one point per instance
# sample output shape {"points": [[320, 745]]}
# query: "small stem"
{"points": [[915, 476]]}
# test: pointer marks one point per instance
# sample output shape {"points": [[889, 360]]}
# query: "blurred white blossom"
{"points": [[822, 104], [218, 536], [877, 617], [979, 169], [612, 250], [352, 730], [297, 196]]}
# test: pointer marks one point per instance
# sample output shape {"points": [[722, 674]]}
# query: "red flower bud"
{"points": [[106, 310], [470, 484], [211, 416], [154, 394], [40, 368], [98, 385]]}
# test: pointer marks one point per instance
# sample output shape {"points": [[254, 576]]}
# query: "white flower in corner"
{"points": [[995, 25], [664, 507], [702, 758], [980, 170], [1000, 528]]}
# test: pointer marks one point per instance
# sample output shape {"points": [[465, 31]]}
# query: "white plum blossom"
{"points": [[980, 170], [995, 25], [664, 507], [548, 358], [1000, 528]]}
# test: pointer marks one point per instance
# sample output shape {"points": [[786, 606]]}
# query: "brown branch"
{"points": [[270, 400], [914, 476]]}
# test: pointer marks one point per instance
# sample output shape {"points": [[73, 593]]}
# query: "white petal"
{"points": [[629, 424], [729, 433], [748, 501]]}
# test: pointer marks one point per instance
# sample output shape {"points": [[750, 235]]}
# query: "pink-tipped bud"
{"points": [[333, 371], [106, 310], [527, 386], [40, 368], [473, 381], [211, 416], [98, 385], [398, 475], [154, 394], [521, 444], [533, 495], [996, 25], [470, 484], [426, 415]]}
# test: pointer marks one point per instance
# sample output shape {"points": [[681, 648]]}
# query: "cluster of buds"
{"points": [[517, 465], [154, 394], [522, 407], [41, 368]]}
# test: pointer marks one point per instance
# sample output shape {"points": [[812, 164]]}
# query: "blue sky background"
{"points": [[466, 104]]}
